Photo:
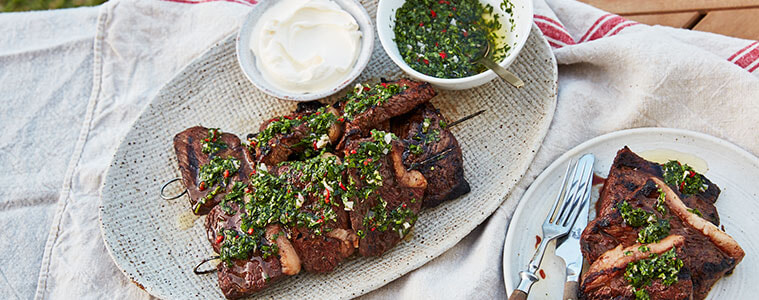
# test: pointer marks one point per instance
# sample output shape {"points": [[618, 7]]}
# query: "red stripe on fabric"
{"points": [[623, 27], [742, 50], [557, 34], [555, 45], [605, 27], [245, 2], [748, 58], [594, 26], [544, 18], [754, 68]]}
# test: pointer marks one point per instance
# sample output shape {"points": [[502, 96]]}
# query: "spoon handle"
{"points": [[502, 72]]}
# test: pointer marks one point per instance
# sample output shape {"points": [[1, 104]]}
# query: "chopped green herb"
{"points": [[213, 143], [444, 38], [365, 96], [695, 211], [633, 217], [684, 178], [656, 230], [641, 273], [661, 205]]}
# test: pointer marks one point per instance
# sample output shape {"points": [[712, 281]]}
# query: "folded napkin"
{"points": [[79, 82]]}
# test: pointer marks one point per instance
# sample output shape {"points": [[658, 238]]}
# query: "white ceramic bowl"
{"points": [[247, 60], [522, 21]]}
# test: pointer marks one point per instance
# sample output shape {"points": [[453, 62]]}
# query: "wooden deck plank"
{"points": [[664, 6], [677, 20], [740, 23]]}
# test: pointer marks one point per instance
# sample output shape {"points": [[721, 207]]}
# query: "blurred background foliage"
{"points": [[26, 5]]}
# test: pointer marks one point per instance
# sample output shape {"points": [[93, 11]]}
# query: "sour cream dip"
{"points": [[305, 46]]}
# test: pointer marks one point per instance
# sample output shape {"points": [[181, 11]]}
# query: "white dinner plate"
{"points": [[731, 168]]}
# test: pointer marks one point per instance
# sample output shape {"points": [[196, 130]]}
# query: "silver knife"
{"points": [[569, 249]]}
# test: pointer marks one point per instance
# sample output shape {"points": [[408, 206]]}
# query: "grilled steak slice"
{"points": [[605, 277], [708, 253], [384, 214], [321, 248], [218, 220], [307, 129], [630, 171], [431, 143], [368, 116], [247, 276], [188, 146]]}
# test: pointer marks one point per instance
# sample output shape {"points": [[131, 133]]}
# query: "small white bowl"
{"points": [[247, 60], [522, 17]]}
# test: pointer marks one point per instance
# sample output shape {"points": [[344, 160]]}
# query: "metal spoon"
{"points": [[488, 62]]}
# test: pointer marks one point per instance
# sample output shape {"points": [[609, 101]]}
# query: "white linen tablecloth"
{"points": [[72, 81]]}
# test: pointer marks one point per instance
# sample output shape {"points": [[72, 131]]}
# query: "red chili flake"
{"points": [[384, 85], [206, 139], [443, 55], [441, 2], [433, 13], [248, 191], [253, 173], [219, 239], [237, 236], [444, 30], [436, 45], [250, 231], [214, 139], [453, 8], [373, 229], [341, 119], [275, 120], [326, 196], [317, 113], [320, 220], [288, 117], [542, 274], [426, 62], [299, 117], [366, 88], [342, 186], [404, 205], [353, 151], [682, 186], [421, 24], [202, 186], [226, 173], [315, 147], [253, 143], [692, 174], [366, 163], [465, 33], [537, 240]]}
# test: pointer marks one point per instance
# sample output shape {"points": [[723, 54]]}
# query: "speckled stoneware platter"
{"points": [[156, 243], [731, 168]]}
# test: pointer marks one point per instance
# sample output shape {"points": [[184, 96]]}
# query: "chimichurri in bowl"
{"points": [[439, 41]]}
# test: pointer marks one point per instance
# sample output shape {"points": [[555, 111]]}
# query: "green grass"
{"points": [[26, 5]]}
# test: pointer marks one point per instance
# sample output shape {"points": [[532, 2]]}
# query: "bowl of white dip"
{"points": [[304, 50]]}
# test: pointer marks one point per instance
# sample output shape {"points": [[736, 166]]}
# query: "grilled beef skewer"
{"points": [[209, 161]]}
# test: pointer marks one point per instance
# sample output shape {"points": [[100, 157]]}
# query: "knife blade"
{"points": [[569, 248]]}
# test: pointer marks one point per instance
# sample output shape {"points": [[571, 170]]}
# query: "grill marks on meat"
{"points": [[417, 93], [605, 277], [445, 169], [188, 147], [399, 188], [707, 253]]}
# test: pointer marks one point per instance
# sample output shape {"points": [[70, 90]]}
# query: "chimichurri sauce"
{"points": [[443, 38]]}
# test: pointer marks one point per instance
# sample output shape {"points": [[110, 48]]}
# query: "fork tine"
{"points": [[561, 192], [569, 198], [583, 190]]}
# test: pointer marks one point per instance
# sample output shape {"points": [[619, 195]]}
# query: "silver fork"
{"points": [[559, 221]]}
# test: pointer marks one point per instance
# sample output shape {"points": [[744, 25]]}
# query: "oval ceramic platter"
{"points": [[731, 168], [156, 243]]}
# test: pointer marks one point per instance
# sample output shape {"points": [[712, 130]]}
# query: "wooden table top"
{"points": [[737, 18]]}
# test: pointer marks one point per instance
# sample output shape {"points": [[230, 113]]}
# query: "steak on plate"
{"points": [[190, 156], [433, 150]]}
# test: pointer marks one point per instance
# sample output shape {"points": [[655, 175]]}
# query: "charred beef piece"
{"points": [[415, 94], [605, 278], [218, 220], [245, 277], [188, 147], [636, 181], [320, 252], [630, 171], [427, 139], [401, 191], [286, 142]]}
